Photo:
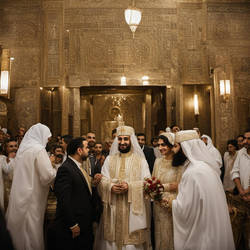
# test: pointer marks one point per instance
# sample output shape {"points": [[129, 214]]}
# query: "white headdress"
{"points": [[195, 149], [4, 130], [213, 150], [129, 131], [170, 136], [36, 137], [168, 129]]}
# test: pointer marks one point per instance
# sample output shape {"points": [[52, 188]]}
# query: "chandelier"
{"points": [[132, 17]]}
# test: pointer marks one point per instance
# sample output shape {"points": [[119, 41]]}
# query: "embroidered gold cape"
{"points": [[124, 215]]}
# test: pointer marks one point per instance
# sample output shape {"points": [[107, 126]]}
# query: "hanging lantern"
{"points": [[133, 18], [5, 72]]}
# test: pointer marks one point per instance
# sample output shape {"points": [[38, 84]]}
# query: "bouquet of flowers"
{"points": [[153, 189]]}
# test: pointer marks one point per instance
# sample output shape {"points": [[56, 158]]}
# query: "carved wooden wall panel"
{"points": [[53, 47], [229, 48], [20, 31], [192, 51], [101, 48], [88, 43]]}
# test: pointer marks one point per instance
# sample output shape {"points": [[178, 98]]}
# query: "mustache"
{"points": [[13, 151]]}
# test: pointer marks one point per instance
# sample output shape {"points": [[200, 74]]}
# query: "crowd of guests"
{"points": [[166, 161]]}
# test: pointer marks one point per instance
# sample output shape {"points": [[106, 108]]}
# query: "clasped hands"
{"points": [[245, 194], [120, 188], [96, 180]]}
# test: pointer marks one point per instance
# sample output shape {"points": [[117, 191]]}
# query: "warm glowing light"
{"points": [[227, 87], [133, 18], [196, 105], [222, 87], [145, 82], [4, 82], [41, 88], [5, 72], [12, 58], [145, 78], [123, 81]]}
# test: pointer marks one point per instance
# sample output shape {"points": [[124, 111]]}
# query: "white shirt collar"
{"points": [[79, 165]]}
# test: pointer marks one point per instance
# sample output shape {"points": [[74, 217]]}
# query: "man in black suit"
{"points": [[150, 157], [148, 152], [74, 212]]}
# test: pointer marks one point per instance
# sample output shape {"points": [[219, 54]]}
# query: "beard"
{"points": [[84, 157], [91, 144], [125, 150]]}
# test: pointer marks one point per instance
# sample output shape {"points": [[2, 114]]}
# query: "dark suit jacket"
{"points": [[150, 157], [74, 206]]}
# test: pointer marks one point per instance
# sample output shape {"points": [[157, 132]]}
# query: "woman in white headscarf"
{"points": [[213, 150], [200, 213], [33, 173], [168, 170]]}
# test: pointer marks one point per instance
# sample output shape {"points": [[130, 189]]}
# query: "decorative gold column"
{"points": [[148, 100], [76, 112], [65, 110], [224, 114]]}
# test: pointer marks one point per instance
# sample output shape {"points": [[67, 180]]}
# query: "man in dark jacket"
{"points": [[148, 152], [74, 212]]}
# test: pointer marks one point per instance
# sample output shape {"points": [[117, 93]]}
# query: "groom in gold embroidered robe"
{"points": [[125, 222]]}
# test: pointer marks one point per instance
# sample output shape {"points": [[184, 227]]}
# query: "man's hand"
{"points": [[120, 188], [242, 192], [246, 197], [75, 231], [173, 187], [116, 189], [124, 187], [97, 179]]}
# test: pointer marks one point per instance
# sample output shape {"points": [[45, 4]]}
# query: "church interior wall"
{"points": [[69, 44]]}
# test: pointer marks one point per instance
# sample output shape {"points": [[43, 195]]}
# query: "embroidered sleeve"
{"points": [[135, 196]]}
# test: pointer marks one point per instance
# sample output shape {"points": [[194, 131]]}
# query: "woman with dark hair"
{"points": [[168, 170], [229, 158]]}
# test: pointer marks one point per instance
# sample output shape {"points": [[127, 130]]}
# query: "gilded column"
{"points": [[76, 112]]}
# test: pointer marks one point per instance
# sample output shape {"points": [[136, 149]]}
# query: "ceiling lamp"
{"points": [[132, 17]]}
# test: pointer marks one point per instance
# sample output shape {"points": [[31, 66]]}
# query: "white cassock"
{"points": [[33, 173], [5, 168], [213, 151], [136, 222], [200, 213]]}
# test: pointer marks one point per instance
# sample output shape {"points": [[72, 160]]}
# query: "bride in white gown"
{"points": [[169, 176]]}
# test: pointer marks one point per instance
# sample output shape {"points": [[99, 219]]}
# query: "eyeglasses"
{"points": [[162, 144], [91, 137]]}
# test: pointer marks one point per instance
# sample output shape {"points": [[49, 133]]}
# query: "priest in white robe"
{"points": [[5, 168], [200, 212], [33, 173], [125, 222], [213, 150]]}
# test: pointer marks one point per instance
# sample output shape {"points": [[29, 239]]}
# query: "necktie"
{"points": [[87, 178]]}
